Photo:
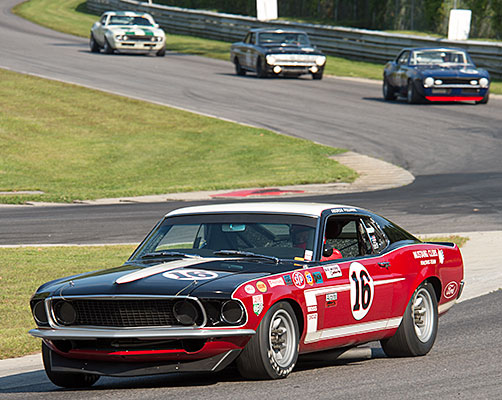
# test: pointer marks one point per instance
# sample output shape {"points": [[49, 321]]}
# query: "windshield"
{"points": [[281, 236], [284, 39], [127, 20], [434, 57]]}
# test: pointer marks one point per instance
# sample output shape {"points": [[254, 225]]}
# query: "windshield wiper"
{"points": [[163, 254], [237, 253]]}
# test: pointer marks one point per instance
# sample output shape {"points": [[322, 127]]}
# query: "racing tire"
{"points": [[107, 48], [93, 44], [389, 93], [485, 99], [66, 379], [238, 67], [161, 52], [273, 351], [412, 96], [418, 329], [260, 72], [317, 75]]}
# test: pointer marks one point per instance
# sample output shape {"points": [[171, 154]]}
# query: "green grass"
{"points": [[37, 265], [75, 143]]}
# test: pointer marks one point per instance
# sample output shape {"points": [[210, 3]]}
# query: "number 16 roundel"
{"points": [[361, 290]]}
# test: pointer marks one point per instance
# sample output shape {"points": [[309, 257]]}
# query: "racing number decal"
{"points": [[190, 274], [361, 290]]}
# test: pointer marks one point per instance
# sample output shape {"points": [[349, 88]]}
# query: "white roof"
{"points": [[309, 209]]}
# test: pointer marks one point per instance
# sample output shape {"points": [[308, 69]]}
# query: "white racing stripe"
{"points": [[164, 267], [349, 330]]}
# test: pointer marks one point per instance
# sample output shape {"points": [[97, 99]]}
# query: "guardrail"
{"points": [[357, 44]]}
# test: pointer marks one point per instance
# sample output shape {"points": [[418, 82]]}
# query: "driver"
{"points": [[333, 230]]}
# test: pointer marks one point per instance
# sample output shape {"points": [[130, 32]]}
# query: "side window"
{"points": [[403, 58], [252, 38], [342, 235], [103, 19], [247, 39]]}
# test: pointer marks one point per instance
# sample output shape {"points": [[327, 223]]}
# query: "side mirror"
{"points": [[327, 250]]}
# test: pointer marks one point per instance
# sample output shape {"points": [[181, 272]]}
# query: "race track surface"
{"points": [[453, 149]]}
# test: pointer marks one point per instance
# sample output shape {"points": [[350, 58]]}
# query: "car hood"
{"points": [[466, 71], [215, 278], [135, 30]]}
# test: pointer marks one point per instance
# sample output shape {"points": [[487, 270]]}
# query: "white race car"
{"points": [[127, 32]]}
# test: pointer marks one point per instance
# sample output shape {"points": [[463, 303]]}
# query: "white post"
{"points": [[266, 10], [459, 25]]}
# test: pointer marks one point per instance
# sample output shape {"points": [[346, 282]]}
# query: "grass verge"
{"points": [[72, 17], [76, 143], [38, 265]]}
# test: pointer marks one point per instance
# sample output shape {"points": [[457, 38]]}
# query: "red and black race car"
{"points": [[255, 283]]}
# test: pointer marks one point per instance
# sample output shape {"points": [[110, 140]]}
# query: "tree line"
{"points": [[430, 16]]}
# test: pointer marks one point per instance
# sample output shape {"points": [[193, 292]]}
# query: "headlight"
{"points": [[320, 60], [121, 37], [474, 82], [483, 82], [39, 313], [232, 312], [438, 82], [185, 313], [65, 313], [271, 60], [428, 82]]}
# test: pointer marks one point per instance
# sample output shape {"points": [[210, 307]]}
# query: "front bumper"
{"points": [[87, 333], [294, 68], [138, 46], [455, 93]]}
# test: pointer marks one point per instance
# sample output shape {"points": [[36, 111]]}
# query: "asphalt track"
{"points": [[453, 150]]}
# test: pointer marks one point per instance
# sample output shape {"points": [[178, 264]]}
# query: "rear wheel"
{"points": [[417, 332], [93, 44], [389, 93], [238, 67], [66, 379], [412, 95], [272, 352]]}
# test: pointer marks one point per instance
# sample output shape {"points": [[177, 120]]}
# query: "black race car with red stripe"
{"points": [[254, 283]]}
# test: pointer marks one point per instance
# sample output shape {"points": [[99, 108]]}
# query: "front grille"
{"points": [[126, 313], [140, 38], [456, 81]]}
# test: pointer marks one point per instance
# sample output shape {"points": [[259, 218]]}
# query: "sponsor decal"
{"points": [[361, 290], [299, 259], [308, 255], [317, 277], [309, 278], [288, 280], [331, 299], [249, 289], [425, 253], [430, 261], [342, 210], [441, 256], [312, 308], [258, 304], [275, 282], [190, 274], [332, 271], [450, 289], [298, 280], [261, 286]]}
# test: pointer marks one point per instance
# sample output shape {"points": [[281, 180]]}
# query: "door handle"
{"points": [[384, 264]]}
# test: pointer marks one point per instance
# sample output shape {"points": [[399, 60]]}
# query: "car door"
{"points": [[402, 70], [251, 51], [354, 301]]}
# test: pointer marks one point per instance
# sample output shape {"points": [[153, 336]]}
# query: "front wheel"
{"points": [[260, 72], [107, 48], [161, 52], [317, 75], [412, 96], [272, 352], [418, 329], [66, 379]]}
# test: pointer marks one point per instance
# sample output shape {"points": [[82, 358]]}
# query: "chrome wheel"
{"points": [[282, 340], [423, 315]]}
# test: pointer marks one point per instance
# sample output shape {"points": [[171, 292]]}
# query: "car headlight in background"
{"points": [[320, 60], [429, 81], [438, 82], [483, 82], [474, 82], [121, 37], [270, 59]]}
